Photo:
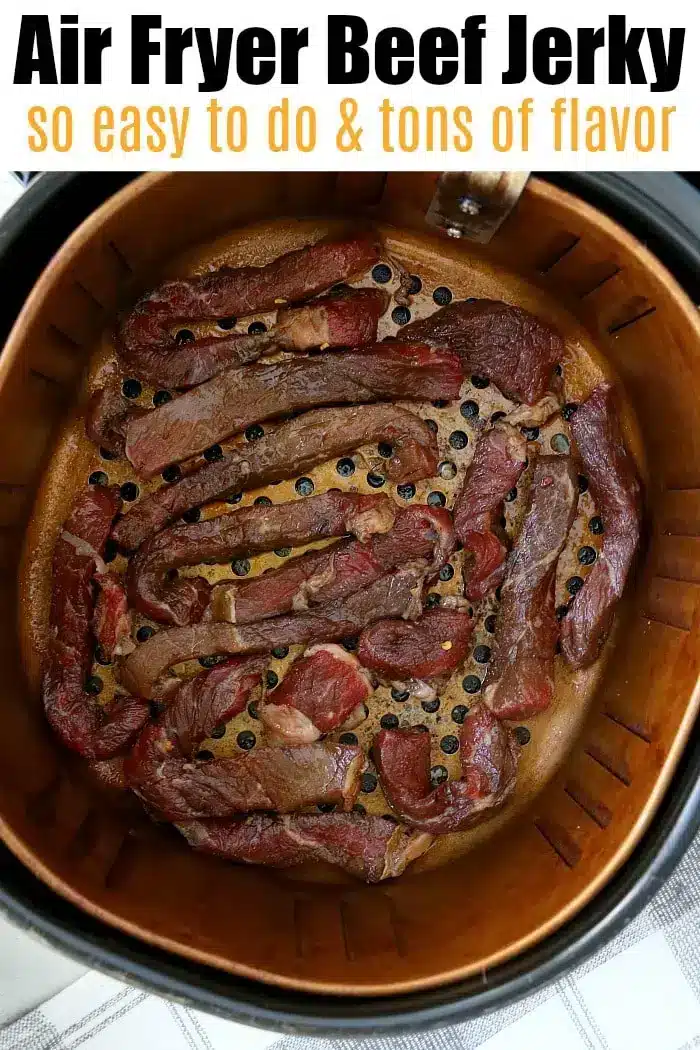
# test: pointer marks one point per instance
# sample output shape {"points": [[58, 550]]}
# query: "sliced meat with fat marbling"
{"points": [[240, 534], [293, 447], [321, 691], [506, 344], [489, 758], [163, 771], [238, 397], [282, 779], [349, 319], [396, 594], [146, 341], [370, 848], [199, 704], [499, 459], [617, 493], [82, 723], [112, 619], [419, 534], [335, 320], [107, 416], [520, 679]]}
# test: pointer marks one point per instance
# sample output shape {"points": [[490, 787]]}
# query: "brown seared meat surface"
{"points": [[283, 779], [231, 401], [294, 447], [84, 725], [146, 340], [240, 534], [520, 679], [370, 848], [489, 757], [499, 460], [617, 493], [506, 344]]}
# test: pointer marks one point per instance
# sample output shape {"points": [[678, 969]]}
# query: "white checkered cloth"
{"points": [[640, 992]]}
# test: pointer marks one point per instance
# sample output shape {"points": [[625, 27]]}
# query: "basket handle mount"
{"points": [[474, 204]]}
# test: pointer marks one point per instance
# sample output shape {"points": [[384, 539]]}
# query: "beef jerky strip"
{"points": [[190, 710], [396, 594], [618, 498], [432, 646], [504, 343], [83, 724], [347, 320], [499, 460], [172, 781], [294, 447], [422, 534], [271, 778], [198, 705], [230, 402], [248, 531], [107, 417], [370, 848], [112, 619], [323, 690], [488, 756], [149, 350], [520, 679]]}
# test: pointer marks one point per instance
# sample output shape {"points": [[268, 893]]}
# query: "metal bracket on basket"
{"points": [[473, 204]]}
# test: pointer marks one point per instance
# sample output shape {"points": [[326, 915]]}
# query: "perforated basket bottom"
{"points": [[444, 273]]}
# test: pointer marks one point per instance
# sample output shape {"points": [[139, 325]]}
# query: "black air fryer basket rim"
{"points": [[662, 210]]}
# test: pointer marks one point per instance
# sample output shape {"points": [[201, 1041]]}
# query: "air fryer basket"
{"points": [[519, 887]]}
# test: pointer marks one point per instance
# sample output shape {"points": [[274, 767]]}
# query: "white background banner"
{"points": [[215, 120]]}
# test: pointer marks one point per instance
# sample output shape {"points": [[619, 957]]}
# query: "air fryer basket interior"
{"points": [[518, 885]]}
